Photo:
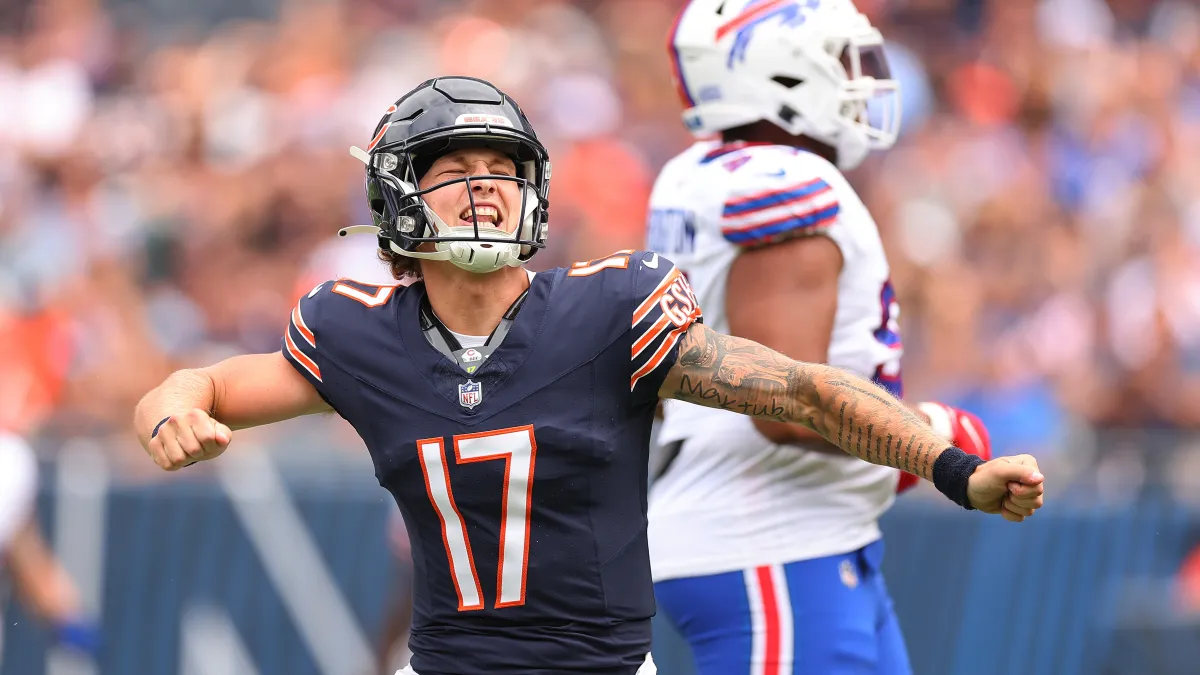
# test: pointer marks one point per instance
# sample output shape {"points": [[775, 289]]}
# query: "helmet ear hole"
{"points": [[789, 82]]}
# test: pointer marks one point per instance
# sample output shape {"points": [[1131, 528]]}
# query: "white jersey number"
{"points": [[516, 446]]}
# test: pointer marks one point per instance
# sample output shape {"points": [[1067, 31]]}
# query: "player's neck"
{"points": [[469, 303], [766, 132]]}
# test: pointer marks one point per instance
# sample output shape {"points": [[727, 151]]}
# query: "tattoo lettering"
{"points": [[841, 422], [730, 373], [704, 393]]}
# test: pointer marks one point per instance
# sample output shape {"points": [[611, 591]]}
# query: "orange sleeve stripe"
{"points": [[302, 328], [652, 299], [301, 357], [648, 337], [656, 360]]}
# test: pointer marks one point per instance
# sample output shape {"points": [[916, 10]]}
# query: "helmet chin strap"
{"points": [[479, 257]]}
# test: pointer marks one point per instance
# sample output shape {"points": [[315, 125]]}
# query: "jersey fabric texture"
{"points": [[522, 485]]}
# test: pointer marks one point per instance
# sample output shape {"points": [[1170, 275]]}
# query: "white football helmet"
{"points": [[808, 66]]}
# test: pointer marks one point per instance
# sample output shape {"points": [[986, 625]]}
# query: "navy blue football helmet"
{"points": [[440, 116]]}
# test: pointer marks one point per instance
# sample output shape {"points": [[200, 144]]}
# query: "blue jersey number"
{"points": [[888, 374]]}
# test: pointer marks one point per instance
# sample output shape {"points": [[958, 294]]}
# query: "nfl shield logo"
{"points": [[470, 394]]}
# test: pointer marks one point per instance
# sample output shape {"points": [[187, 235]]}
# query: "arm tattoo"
{"points": [[841, 425], [731, 373]]}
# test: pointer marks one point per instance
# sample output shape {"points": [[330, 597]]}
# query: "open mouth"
{"points": [[485, 214]]}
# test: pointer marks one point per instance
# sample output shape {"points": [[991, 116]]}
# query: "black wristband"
{"points": [[159, 426], [952, 471]]}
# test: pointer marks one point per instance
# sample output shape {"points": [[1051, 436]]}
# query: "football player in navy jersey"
{"points": [[508, 413]]}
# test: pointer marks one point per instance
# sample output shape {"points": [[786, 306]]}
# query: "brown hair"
{"points": [[401, 265]]}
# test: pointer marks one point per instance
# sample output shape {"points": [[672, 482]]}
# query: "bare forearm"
{"points": [[798, 434], [868, 422], [858, 417], [178, 394], [240, 392]]}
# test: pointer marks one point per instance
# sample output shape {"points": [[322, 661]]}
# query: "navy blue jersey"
{"points": [[523, 485]]}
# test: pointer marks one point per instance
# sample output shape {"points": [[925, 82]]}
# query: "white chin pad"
{"points": [[482, 258]]}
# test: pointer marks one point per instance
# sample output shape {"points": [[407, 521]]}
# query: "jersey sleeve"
{"points": [[300, 340], [18, 486], [775, 197], [665, 307], [326, 338]]}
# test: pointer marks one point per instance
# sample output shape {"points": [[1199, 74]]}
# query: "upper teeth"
{"points": [[482, 212]]}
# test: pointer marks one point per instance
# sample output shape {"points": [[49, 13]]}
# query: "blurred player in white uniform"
{"points": [[764, 539], [41, 582]]}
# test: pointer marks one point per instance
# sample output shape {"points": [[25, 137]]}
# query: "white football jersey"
{"points": [[731, 499]]}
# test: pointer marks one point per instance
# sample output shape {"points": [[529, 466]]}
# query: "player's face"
{"points": [[497, 202]]}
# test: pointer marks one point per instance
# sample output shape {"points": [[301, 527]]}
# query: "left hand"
{"points": [[1011, 486], [963, 429]]}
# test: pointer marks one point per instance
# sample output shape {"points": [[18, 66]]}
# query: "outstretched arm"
{"points": [[195, 411], [722, 371]]}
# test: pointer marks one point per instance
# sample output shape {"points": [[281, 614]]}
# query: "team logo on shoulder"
{"points": [[470, 394], [849, 574]]}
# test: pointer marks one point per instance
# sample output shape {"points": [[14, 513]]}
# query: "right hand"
{"points": [[188, 438], [1011, 486]]}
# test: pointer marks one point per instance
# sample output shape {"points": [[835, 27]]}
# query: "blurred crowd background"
{"points": [[173, 174]]}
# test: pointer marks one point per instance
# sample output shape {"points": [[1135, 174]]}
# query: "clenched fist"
{"points": [[189, 438], [1011, 486]]}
